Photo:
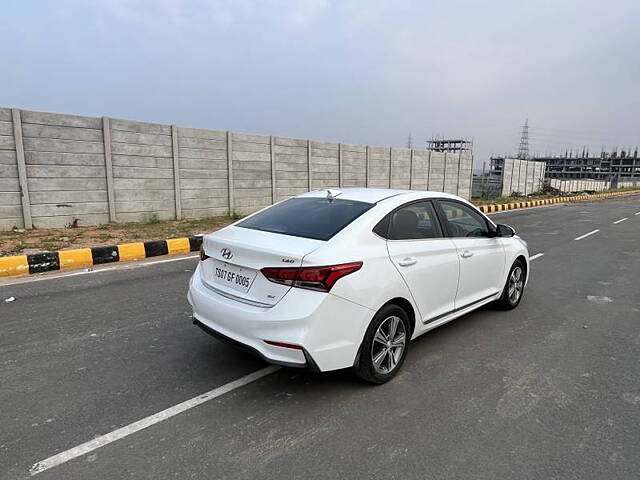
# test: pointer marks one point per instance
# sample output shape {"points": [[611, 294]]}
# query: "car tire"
{"points": [[380, 358], [513, 287]]}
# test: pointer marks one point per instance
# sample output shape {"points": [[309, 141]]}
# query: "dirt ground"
{"points": [[18, 242]]}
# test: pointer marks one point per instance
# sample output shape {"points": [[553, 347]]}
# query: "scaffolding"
{"points": [[450, 145]]}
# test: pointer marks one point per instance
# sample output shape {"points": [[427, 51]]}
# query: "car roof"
{"points": [[373, 195]]}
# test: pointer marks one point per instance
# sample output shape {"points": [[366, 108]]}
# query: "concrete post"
{"points": [[366, 167], [272, 150], [411, 169], [471, 180], [340, 175], [230, 172], [444, 176], [309, 164], [176, 171], [390, 164], [22, 168], [459, 165], [429, 171], [111, 197]]}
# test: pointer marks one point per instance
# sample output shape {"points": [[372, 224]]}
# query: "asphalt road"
{"points": [[549, 390]]}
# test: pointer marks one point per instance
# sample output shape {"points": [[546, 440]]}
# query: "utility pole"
{"points": [[409, 141]]}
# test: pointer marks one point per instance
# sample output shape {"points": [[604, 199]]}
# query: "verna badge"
{"points": [[226, 254]]}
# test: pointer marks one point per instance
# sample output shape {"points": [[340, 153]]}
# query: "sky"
{"points": [[352, 71]]}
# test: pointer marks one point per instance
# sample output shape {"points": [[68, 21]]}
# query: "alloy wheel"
{"points": [[516, 283], [388, 345]]}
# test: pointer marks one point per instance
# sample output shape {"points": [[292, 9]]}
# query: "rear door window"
{"points": [[317, 218], [415, 221]]}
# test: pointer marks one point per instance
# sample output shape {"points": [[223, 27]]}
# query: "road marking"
{"points": [[537, 255], [168, 260], [586, 235], [621, 220], [637, 213], [123, 432], [21, 280]]}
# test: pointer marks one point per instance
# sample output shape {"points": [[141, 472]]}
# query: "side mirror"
{"points": [[504, 230]]}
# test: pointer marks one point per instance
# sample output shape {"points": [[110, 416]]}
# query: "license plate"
{"points": [[232, 276]]}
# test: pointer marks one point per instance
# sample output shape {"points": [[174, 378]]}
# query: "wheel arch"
{"points": [[407, 306], [525, 263], [401, 302]]}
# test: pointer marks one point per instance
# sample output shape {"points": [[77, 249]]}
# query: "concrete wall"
{"points": [[579, 185], [89, 171], [522, 176]]}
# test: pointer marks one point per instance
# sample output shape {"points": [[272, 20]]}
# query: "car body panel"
{"points": [[433, 277], [309, 319], [482, 263], [251, 250]]}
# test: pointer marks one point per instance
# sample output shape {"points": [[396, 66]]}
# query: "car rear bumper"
{"points": [[309, 362], [328, 328]]}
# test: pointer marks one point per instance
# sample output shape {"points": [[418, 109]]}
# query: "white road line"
{"points": [[586, 235], [120, 433], [637, 213], [537, 255], [621, 220], [51, 276], [168, 260]]}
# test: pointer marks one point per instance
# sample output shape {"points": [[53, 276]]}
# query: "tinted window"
{"points": [[382, 228], [414, 221], [462, 221], [316, 218]]}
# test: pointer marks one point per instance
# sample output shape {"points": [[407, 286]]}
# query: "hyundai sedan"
{"points": [[346, 278]]}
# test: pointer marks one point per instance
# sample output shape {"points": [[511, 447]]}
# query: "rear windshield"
{"points": [[316, 218]]}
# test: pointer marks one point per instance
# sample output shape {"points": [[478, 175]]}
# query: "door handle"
{"points": [[405, 262], [466, 254]]}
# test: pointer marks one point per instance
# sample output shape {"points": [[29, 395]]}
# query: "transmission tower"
{"points": [[523, 150]]}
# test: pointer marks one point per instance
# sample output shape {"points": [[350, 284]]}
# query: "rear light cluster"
{"points": [[203, 256], [320, 279]]}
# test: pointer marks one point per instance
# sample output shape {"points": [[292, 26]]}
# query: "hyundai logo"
{"points": [[226, 253]]}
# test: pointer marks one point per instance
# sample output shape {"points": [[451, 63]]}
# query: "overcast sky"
{"points": [[366, 71]]}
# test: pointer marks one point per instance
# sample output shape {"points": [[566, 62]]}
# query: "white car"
{"points": [[345, 278]]}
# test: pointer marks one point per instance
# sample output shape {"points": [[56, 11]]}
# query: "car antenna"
{"points": [[331, 195]]}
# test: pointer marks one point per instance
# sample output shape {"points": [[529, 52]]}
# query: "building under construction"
{"points": [[450, 145], [612, 167], [615, 166]]}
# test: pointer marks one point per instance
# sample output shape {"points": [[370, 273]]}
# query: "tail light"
{"points": [[320, 279], [203, 256]]}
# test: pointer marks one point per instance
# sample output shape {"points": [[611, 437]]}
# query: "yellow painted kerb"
{"points": [[131, 251], [80, 257], [10, 266], [178, 245]]}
